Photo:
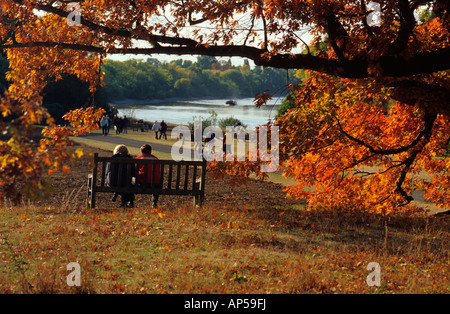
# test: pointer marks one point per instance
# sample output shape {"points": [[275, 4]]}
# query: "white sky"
{"points": [[244, 23], [236, 61]]}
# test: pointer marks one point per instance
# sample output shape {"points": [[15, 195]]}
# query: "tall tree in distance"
{"points": [[341, 110]]}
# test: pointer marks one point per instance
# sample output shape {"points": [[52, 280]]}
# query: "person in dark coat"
{"points": [[118, 122], [163, 130], [121, 175]]}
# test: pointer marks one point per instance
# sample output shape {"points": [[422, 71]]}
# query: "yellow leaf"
{"points": [[79, 152]]}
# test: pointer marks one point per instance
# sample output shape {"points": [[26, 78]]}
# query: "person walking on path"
{"points": [[163, 130], [156, 127], [104, 123], [125, 125]]}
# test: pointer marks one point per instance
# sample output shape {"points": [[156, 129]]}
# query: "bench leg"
{"points": [[90, 193], [198, 200], [195, 201], [89, 189], [92, 199]]}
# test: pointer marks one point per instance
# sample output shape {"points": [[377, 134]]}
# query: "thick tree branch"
{"points": [[423, 137], [407, 24], [390, 66], [421, 63], [121, 32], [336, 33], [428, 119]]}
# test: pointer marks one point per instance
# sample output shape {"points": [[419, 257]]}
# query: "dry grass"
{"points": [[218, 250]]}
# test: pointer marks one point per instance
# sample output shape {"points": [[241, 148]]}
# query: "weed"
{"points": [[18, 266]]}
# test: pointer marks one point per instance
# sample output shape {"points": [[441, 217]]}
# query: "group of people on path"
{"points": [[114, 178], [120, 124], [161, 129]]}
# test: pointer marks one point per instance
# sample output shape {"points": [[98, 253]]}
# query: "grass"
{"points": [[218, 250], [147, 137], [134, 151]]}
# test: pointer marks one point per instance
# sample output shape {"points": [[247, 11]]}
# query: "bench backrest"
{"points": [[175, 177]]}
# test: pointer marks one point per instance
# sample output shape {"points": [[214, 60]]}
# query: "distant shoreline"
{"points": [[152, 101]]}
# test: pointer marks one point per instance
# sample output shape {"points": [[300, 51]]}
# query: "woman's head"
{"points": [[121, 149]]}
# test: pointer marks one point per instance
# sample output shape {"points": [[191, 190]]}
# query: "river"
{"points": [[183, 111]]}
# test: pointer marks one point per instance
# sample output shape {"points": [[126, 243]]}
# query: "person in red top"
{"points": [[146, 151]]}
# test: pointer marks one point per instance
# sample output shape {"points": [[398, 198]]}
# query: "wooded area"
{"points": [[207, 77]]}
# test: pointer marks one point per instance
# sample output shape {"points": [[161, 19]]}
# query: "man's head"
{"points": [[146, 149]]}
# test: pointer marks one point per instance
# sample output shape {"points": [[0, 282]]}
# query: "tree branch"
{"points": [[407, 24], [121, 32], [336, 32], [396, 67], [428, 118]]}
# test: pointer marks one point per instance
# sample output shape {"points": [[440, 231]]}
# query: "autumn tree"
{"points": [[377, 97]]}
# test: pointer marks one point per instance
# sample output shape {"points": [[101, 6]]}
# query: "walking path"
{"points": [[128, 142]]}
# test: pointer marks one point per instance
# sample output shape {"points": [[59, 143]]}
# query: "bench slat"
{"points": [[153, 176], [186, 177], [169, 182], [177, 185], [103, 174], [194, 185], [161, 182], [129, 175]]}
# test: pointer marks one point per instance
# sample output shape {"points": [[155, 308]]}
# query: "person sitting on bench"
{"points": [[112, 175], [146, 151]]}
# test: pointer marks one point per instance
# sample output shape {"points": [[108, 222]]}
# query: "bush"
{"points": [[229, 121], [211, 121], [286, 104]]}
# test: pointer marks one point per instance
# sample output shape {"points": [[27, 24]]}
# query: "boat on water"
{"points": [[230, 102]]}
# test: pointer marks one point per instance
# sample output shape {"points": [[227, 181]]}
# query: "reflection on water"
{"points": [[182, 112]]}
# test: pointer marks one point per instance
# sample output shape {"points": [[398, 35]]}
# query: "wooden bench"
{"points": [[176, 178], [140, 126]]}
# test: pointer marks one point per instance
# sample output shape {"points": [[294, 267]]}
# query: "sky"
{"points": [[243, 23], [236, 61]]}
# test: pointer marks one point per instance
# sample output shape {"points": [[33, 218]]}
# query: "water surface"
{"points": [[183, 112]]}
